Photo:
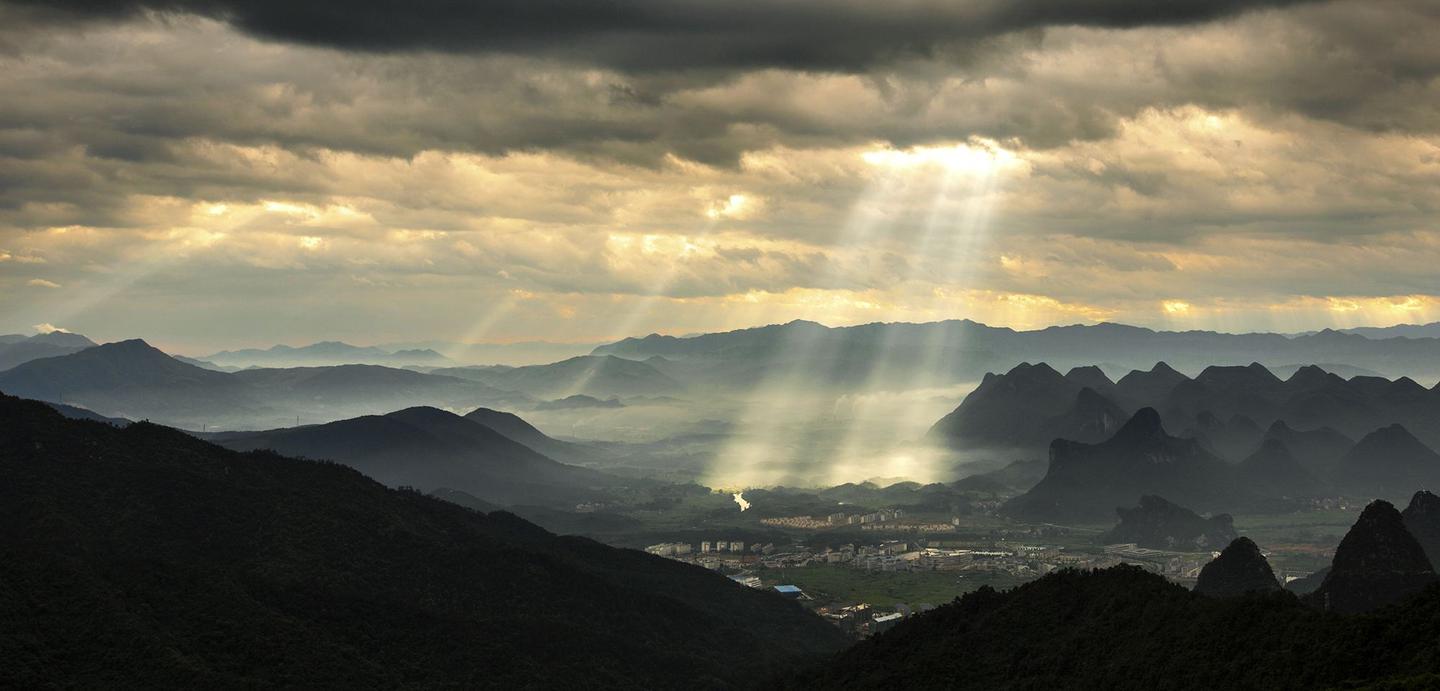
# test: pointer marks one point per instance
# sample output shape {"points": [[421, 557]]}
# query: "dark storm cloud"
{"points": [[648, 35]]}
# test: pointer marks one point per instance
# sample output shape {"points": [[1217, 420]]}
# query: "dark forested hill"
{"points": [[143, 557], [517, 429], [428, 448], [1125, 628]]}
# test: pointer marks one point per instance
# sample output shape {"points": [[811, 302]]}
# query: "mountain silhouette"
{"points": [[1378, 563], [1157, 523], [1010, 410], [1422, 519], [970, 349], [600, 376], [1274, 471], [1318, 450], [1085, 482], [127, 379], [1148, 387], [16, 349], [1092, 418], [517, 429], [324, 353], [1390, 462], [428, 449], [144, 557], [1239, 569], [1233, 439]]}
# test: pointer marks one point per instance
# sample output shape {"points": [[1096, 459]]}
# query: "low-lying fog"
{"points": [[772, 437]]}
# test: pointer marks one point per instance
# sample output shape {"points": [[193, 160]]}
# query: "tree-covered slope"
{"points": [[145, 557], [1125, 628]]}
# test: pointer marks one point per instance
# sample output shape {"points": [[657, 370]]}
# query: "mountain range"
{"points": [[142, 556], [1227, 408], [131, 379], [600, 376], [323, 353], [1084, 482], [17, 349], [1430, 330], [896, 355], [1313, 434]]}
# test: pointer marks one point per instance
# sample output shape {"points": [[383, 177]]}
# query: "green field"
{"points": [[839, 584]]}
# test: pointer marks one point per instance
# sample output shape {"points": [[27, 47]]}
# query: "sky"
{"points": [[221, 173]]}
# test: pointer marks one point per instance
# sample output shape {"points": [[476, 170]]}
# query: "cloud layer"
{"points": [[215, 170]]}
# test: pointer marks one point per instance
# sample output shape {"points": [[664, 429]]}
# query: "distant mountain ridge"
{"points": [[324, 353], [598, 376], [132, 379], [18, 349], [963, 350]]}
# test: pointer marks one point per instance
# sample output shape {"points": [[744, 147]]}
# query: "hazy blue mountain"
{"points": [[1232, 439], [1157, 523], [1150, 386], [345, 389], [1378, 563], [1318, 450], [511, 354], [1274, 471], [133, 380], [143, 557], [16, 349], [597, 376], [1092, 418], [1019, 475], [1389, 462], [578, 401], [129, 379], [1431, 330], [1339, 369], [324, 353], [1251, 391], [1239, 570], [205, 364], [428, 448], [1085, 482]]}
